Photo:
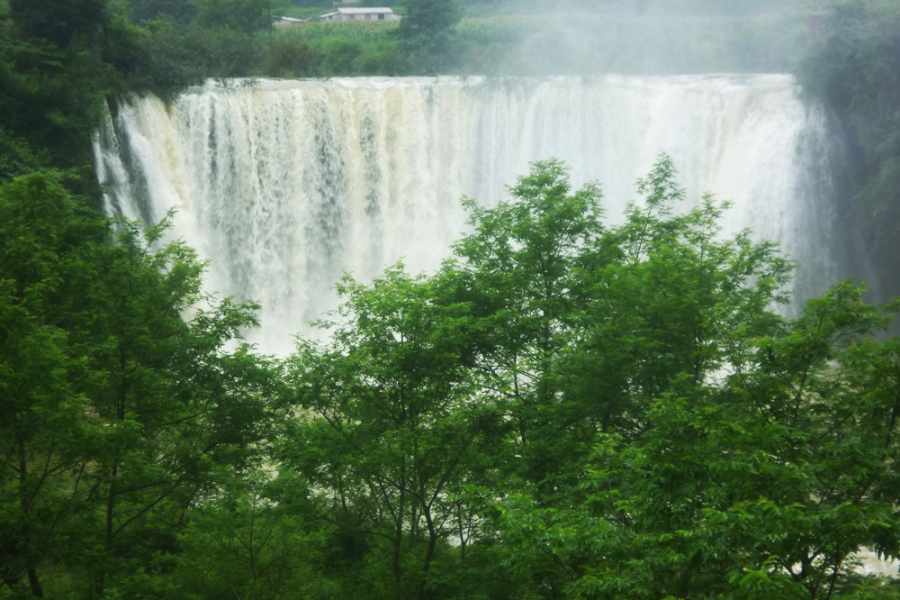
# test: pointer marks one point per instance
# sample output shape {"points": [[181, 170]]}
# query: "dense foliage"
{"points": [[583, 411], [118, 414], [49, 91], [426, 34]]}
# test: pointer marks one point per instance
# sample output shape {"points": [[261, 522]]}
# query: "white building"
{"points": [[288, 21], [361, 14]]}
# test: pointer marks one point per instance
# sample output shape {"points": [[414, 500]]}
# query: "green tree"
{"points": [[176, 409], [117, 413], [59, 21], [661, 295], [144, 11], [240, 15], [396, 426], [48, 103], [427, 37], [53, 82], [44, 249], [176, 56], [763, 485], [259, 540], [735, 454], [520, 269]]}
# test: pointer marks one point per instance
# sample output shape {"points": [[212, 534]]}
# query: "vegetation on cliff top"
{"points": [[854, 67]]}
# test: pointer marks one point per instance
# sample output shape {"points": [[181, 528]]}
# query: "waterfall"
{"points": [[285, 185]]}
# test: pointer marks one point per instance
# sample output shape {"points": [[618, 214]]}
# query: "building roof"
{"points": [[355, 11]]}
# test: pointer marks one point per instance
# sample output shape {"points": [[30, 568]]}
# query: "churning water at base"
{"points": [[284, 185]]}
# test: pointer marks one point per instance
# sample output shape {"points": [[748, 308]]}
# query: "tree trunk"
{"points": [[398, 541], [36, 590], [429, 554], [33, 581], [398, 573], [110, 512]]}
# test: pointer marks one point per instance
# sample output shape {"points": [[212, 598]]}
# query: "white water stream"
{"points": [[283, 185]]}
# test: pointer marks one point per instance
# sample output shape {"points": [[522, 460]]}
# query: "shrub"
{"points": [[339, 55], [178, 56], [290, 57]]}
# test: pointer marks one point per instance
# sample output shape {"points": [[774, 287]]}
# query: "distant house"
{"points": [[288, 21], [361, 14]]}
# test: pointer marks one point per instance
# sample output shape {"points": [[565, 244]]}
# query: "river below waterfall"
{"points": [[285, 185]]}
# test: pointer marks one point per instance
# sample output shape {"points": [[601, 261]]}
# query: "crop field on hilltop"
{"points": [[357, 31]]}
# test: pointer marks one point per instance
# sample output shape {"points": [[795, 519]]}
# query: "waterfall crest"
{"points": [[284, 185]]}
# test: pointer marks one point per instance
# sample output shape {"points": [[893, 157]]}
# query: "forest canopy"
{"points": [[567, 409]]}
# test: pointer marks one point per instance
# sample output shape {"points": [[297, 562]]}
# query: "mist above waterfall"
{"points": [[637, 37], [284, 186]]}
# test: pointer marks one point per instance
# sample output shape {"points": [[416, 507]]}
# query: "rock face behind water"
{"points": [[284, 185]]}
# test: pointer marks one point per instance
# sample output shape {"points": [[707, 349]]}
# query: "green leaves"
{"points": [[604, 412], [736, 453], [58, 21], [564, 410], [240, 15], [764, 483], [397, 426], [426, 35], [118, 413]]}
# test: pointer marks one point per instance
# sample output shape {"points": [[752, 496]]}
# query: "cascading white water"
{"points": [[284, 185]]}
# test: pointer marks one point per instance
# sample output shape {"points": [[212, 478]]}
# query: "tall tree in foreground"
{"points": [[617, 410], [521, 272], [44, 451], [179, 414], [746, 456], [762, 484], [397, 428], [118, 414]]}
